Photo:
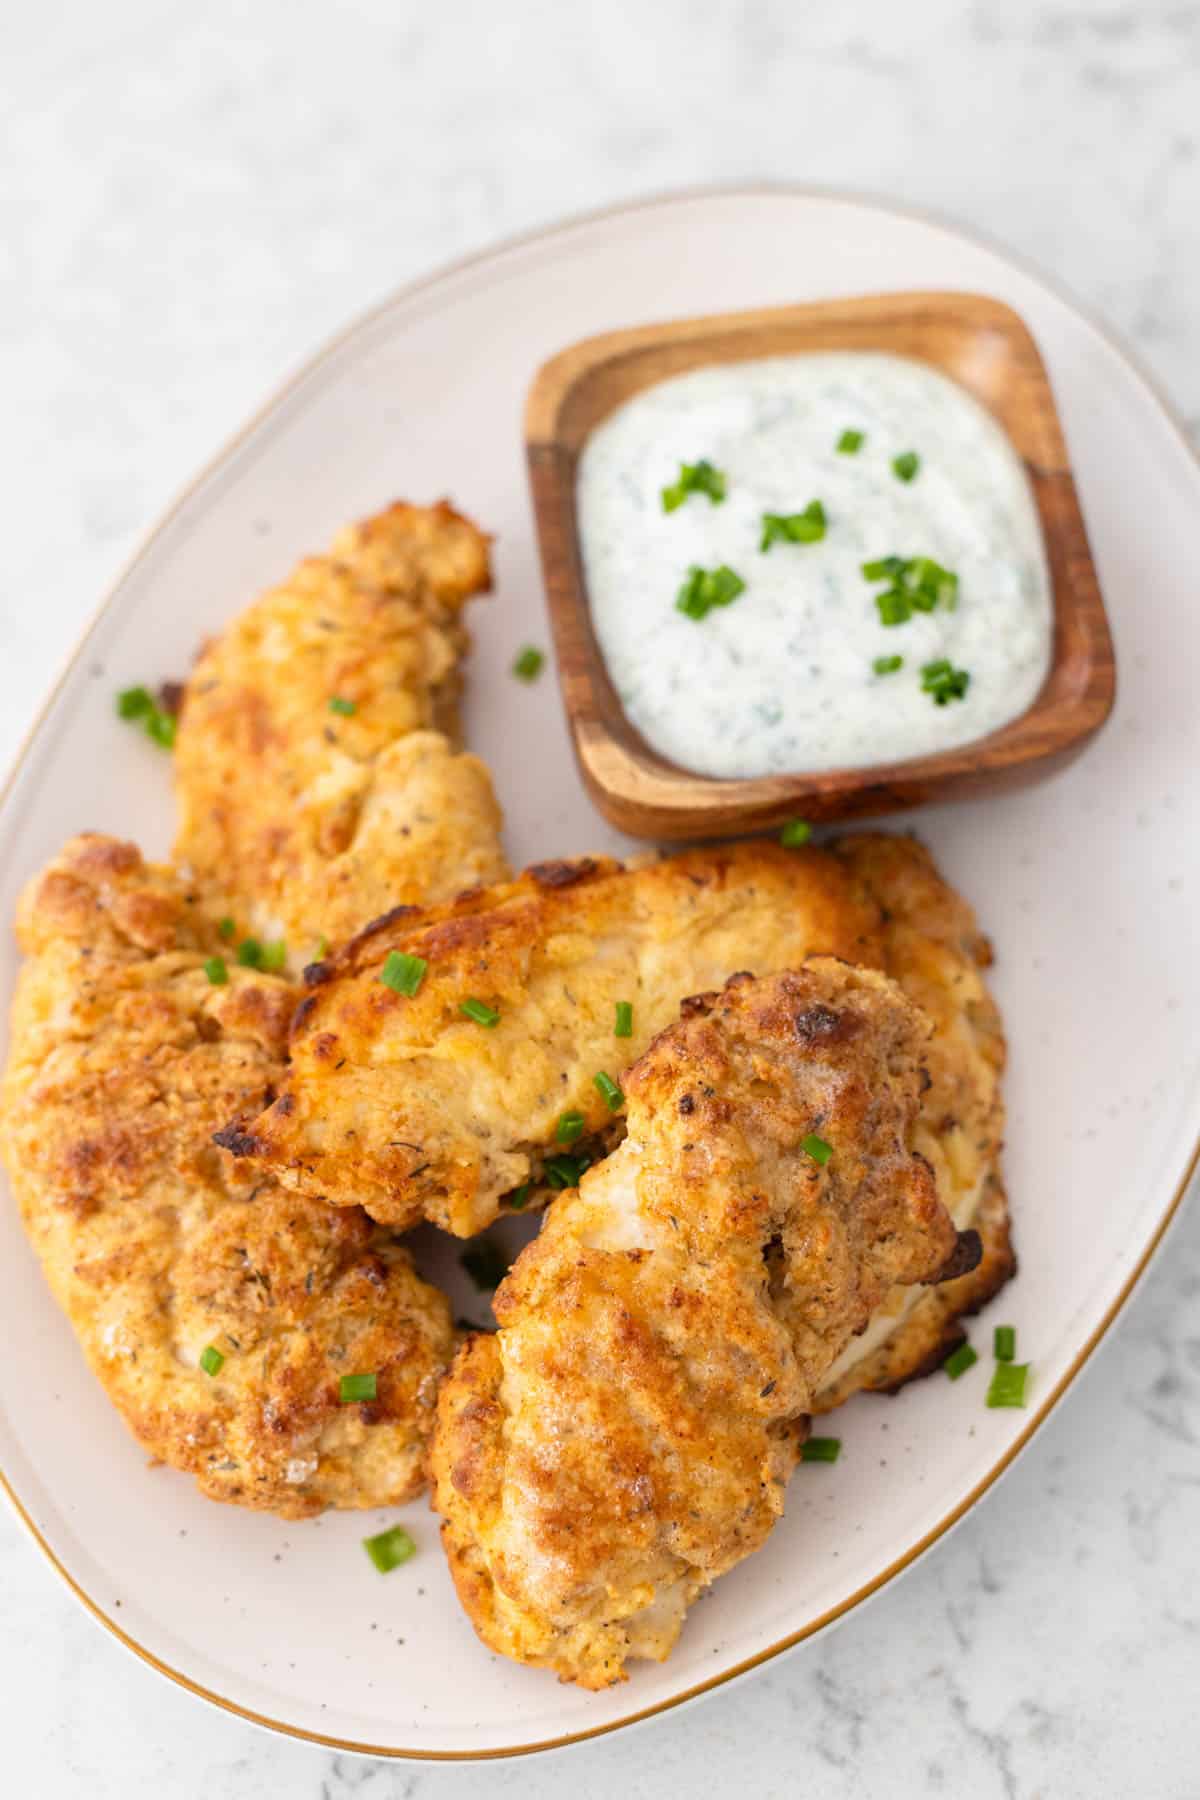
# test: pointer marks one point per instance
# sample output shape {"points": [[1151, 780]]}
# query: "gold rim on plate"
{"points": [[460, 265]]}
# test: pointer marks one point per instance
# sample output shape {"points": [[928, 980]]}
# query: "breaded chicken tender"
{"points": [[316, 758], [627, 1435], [412, 1108], [126, 1055], [406, 1104]]}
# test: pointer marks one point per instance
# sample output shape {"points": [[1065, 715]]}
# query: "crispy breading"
{"points": [[406, 1105], [124, 1059], [627, 1435], [308, 819]]}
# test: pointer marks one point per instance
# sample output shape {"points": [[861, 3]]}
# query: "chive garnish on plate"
{"points": [[960, 1360], [821, 1449], [795, 833], [388, 1549], [569, 1127], [216, 971], [944, 682], [345, 708], [1008, 1384], [1005, 1343], [565, 1171], [624, 1020], [851, 442], [528, 663], [211, 1360], [887, 665], [817, 1148], [906, 465]]}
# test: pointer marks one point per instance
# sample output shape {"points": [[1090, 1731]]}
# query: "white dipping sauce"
{"points": [[782, 679]]}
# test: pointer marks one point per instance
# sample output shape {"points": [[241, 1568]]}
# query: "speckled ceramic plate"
{"points": [[1088, 886]]}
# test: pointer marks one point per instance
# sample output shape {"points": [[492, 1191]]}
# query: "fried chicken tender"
{"points": [[125, 1058], [408, 1106], [316, 759], [627, 1435]]}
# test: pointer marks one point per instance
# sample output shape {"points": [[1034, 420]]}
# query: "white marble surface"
{"points": [[199, 195]]}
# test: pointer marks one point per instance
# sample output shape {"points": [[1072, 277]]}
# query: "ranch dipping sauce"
{"points": [[796, 669]]}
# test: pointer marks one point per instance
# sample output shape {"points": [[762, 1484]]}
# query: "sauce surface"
{"points": [[782, 679]]}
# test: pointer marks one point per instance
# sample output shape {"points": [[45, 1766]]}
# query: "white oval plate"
{"points": [[1088, 886]]}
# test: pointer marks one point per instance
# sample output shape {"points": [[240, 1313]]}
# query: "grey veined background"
{"points": [[192, 196]]}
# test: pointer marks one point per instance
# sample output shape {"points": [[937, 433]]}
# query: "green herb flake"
{"points": [[906, 465], [569, 1127], [388, 1549], [807, 527], [227, 928], [887, 665], [609, 1091], [486, 1264], [528, 663], [565, 1171], [850, 443], [403, 973], [346, 709], [211, 1360], [135, 703], [355, 1388], [274, 956], [706, 588], [623, 1026], [250, 953], [1005, 1343], [694, 478], [518, 1200], [481, 1013], [960, 1360], [944, 682], [795, 834], [817, 1148], [820, 1450], [1008, 1384], [216, 971]]}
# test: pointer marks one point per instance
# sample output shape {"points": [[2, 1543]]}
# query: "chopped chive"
{"points": [[884, 568], [887, 665], [795, 833], [481, 1013], [216, 971], [250, 953], [352, 1388], [905, 466], [388, 1549], [706, 588], [694, 478], [624, 1022], [519, 1198], [807, 527], [274, 956], [817, 1148], [850, 443], [1005, 1343], [895, 607], [161, 727], [609, 1090], [211, 1360], [347, 708], [565, 1171], [486, 1264], [135, 703], [960, 1360], [226, 927], [403, 973], [1008, 1384], [820, 1449], [944, 682], [528, 663], [569, 1127]]}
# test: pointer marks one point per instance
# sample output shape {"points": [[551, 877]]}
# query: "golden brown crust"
{"points": [[626, 1436], [305, 821], [407, 1106], [933, 947], [125, 1058]]}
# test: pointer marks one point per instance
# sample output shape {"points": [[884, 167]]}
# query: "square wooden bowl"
{"points": [[987, 349]]}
